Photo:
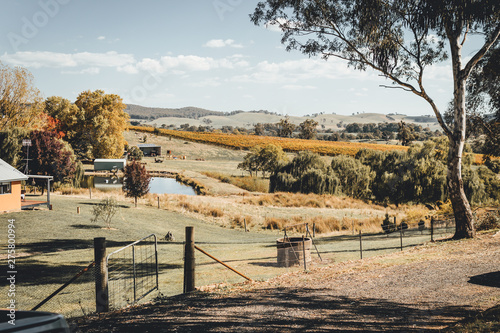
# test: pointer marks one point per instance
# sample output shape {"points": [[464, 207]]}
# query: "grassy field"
{"points": [[52, 246]]}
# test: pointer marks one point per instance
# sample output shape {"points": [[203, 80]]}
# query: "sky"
{"points": [[202, 53]]}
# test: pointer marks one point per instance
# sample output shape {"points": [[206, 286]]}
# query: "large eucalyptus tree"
{"points": [[400, 39]]}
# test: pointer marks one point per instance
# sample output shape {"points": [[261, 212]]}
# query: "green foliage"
{"points": [[134, 153], [136, 181], [493, 165], [104, 121], [307, 129], [285, 128], [10, 145], [306, 173], [265, 159], [79, 174], [355, 177], [405, 134], [105, 210], [489, 221]]}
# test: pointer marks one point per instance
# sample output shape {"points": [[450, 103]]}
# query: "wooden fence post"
{"points": [[101, 275], [360, 245], [304, 252], [432, 229], [189, 261], [401, 235]]}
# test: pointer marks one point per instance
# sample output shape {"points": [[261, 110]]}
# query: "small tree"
{"points": [[51, 156], [136, 183], [265, 159], [134, 153], [105, 210], [405, 134], [308, 129], [285, 128]]}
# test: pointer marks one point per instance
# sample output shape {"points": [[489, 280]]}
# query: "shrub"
{"points": [[490, 220], [105, 210]]}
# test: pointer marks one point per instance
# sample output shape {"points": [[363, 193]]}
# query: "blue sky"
{"points": [[203, 53]]}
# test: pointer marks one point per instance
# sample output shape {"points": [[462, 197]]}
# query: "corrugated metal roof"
{"points": [[124, 160], [9, 174], [148, 145]]}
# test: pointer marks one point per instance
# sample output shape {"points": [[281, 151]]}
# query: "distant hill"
{"points": [[247, 119], [143, 112]]}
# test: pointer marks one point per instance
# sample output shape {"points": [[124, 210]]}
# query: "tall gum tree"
{"points": [[399, 39]]}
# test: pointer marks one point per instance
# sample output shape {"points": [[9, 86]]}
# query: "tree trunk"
{"points": [[135, 200], [464, 220]]}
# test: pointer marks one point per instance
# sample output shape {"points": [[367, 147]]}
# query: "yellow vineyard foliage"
{"points": [[328, 148]]}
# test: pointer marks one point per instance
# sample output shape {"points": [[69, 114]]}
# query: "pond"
{"points": [[158, 185]]}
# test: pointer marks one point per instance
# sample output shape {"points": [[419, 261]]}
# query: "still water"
{"points": [[158, 185]]}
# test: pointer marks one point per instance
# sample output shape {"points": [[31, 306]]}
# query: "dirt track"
{"points": [[419, 290]]}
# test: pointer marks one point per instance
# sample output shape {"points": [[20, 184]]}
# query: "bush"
{"points": [[105, 210], [489, 221]]}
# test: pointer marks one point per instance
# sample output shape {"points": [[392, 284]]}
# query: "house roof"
{"points": [[9, 174], [114, 160], [148, 145]]}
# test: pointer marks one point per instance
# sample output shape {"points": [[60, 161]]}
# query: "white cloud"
{"points": [[211, 82], [62, 60], [91, 71], [292, 71], [218, 43], [298, 87], [101, 38]]}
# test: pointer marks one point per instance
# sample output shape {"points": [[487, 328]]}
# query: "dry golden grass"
{"points": [[323, 225], [252, 184], [306, 200]]}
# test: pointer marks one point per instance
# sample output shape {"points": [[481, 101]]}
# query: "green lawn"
{"points": [[52, 246]]}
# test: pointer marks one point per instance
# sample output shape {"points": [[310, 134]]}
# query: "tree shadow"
{"points": [[488, 279], [85, 226], [276, 310], [40, 273], [95, 203]]}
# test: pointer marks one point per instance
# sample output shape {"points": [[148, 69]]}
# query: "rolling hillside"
{"points": [[247, 119]]}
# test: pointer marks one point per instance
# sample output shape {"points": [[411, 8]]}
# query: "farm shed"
{"points": [[105, 164], [10, 187], [150, 149]]}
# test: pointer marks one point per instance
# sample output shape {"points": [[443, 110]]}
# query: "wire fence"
{"points": [[74, 298], [256, 256]]}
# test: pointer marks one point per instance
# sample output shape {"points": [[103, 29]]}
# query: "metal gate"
{"points": [[132, 272]]}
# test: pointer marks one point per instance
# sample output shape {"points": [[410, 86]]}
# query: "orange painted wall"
{"points": [[11, 201]]}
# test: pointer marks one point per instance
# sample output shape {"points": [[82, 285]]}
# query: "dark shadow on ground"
{"points": [[488, 279], [86, 226], [40, 273], [275, 310], [95, 203]]}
